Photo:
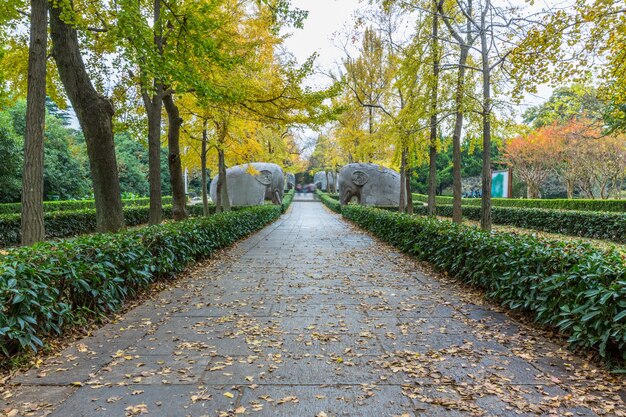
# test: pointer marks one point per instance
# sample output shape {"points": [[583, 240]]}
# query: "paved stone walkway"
{"points": [[312, 317]]}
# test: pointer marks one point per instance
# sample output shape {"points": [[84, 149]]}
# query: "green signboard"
{"points": [[500, 184]]}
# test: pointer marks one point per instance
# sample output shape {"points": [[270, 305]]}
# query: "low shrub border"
{"points": [[328, 201], [287, 199], [47, 287], [574, 288], [61, 224], [588, 224], [73, 205], [544, 203]]}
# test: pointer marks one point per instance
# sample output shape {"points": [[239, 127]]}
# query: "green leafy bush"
{"points": [[329, 202], [555, 204], [72, 223], [73, 205], [589, 224], [49, 286], [287, 199], [575, 288]]}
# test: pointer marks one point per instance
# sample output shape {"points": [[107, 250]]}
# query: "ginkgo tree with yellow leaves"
{"points": [[244, 108]]}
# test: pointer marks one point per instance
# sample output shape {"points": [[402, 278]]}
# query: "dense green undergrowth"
{"points": [[329, 201], [287, 199], [68, 223], [48, 287], [573, 287], [74, 205], [588, 224], [552, 203]]}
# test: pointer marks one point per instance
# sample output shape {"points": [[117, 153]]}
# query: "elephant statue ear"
{"points": [[264, 177], [360, 178]]}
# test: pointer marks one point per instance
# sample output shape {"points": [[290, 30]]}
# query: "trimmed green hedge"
{"points": [[50, 286], [287, 199], [72, 223], [589, 224], [575, 288], [554, 204], [328, 201], [74, 205]]}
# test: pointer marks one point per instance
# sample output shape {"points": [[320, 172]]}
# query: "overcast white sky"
{"points": [[327, 24]]}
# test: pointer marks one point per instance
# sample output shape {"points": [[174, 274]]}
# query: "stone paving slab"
{"points": [[312, 317]]}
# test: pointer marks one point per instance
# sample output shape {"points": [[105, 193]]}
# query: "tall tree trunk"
{"points": [[402, 205], [179, 199], [95, 114], [409, 195], [327, 181], [465, 44], [456, 139], [222, 186], [154, 106], [371, 130], [32, 226], [570, 188], [203, 154], [432, 163], [485, 215]]}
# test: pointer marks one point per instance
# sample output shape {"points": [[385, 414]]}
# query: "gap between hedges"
{"points": [[574, 288], [48, 287]]}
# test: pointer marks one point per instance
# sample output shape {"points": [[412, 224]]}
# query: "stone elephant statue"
{"points": [[320, 181], [371, 184], [245, 189], [290, 181], [325, 181]]}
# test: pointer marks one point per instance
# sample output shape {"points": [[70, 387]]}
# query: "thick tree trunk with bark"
{"points": [[409, 195], [95, 114], [465, 45], [32, 227], [485, 215], [203, 154], [402, 205], [456, 139], [179, 199], [223, 201], [327, 181], [570, 188], [153, 107], [432, 163], [432, 175]]}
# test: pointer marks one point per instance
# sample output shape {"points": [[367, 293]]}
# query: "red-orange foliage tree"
{"points": [[533, 157]]}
